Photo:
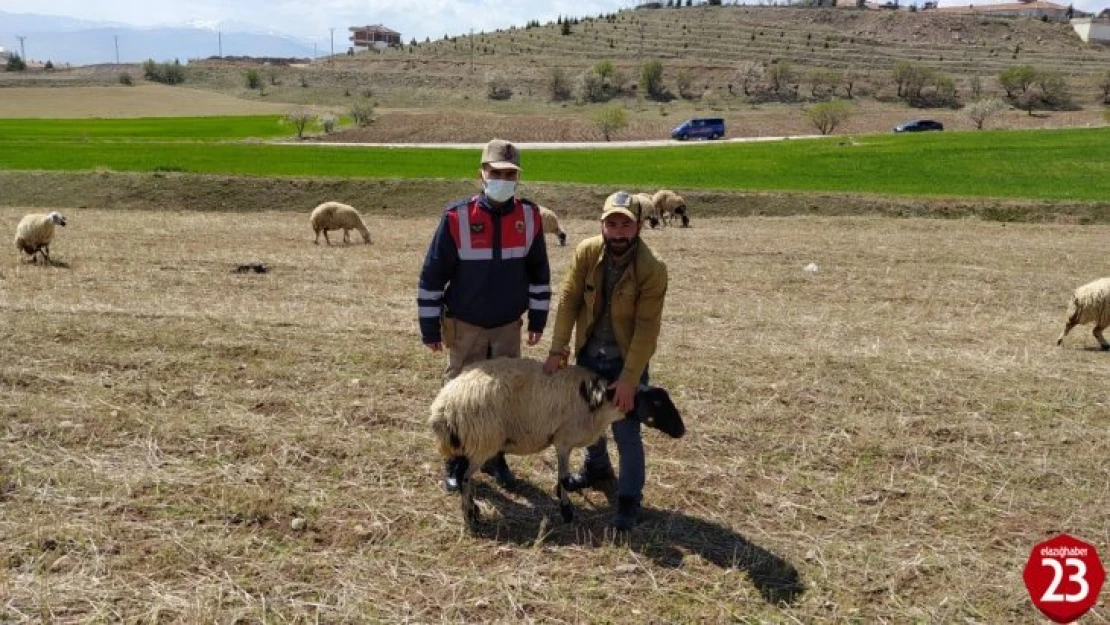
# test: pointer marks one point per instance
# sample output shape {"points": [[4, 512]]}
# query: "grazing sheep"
{"points": [[511, 405], [668, 204], [336, 216], [1090, 303], [35, 232], [551, 224]]}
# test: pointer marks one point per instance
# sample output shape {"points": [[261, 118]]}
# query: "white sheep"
{"points": [[336, 216], [35, 232], [551, 224], [668, 204], [1090, 303], [511, 405], [647, 209]]}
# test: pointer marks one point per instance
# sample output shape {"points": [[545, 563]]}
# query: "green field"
{"points": [[1071, 164], [145, 128]]}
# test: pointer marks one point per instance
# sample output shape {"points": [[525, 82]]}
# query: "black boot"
{"points": [[499, 469], [589, 476], [628, 514]]}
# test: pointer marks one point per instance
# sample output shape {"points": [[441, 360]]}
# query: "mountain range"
{"points": [[80, 42]]}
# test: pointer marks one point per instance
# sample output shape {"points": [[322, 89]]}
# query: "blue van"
{"points": [[699, 128]]}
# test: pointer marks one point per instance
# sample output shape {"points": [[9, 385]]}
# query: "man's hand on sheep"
{"points": [[533, 338], [624, 396], [552, 364]]}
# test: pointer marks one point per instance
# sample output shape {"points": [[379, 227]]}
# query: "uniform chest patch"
{"points": [[477, 227], [520, 226]]}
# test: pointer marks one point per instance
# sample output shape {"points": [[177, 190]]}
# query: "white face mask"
{"points": [[500, 190]]}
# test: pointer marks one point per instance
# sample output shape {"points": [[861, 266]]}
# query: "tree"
{"points": [[558, 85], [823, 82], [591, 87], [781, 74], [683, 81], [15, 64], [749, 74], [1055, 92], [1016, 80], [604, 69], [362, 113], [982, 110], [826, 116], [300, 118], [651, 79], [254, 80], [565, 30], [610, 120]]}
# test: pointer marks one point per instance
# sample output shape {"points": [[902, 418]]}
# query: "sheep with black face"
{"points": [[511, 405]]}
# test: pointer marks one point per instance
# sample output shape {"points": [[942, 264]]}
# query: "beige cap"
{"points": [[500, 154], [624, 203]]}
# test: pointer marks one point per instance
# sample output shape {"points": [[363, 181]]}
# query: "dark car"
{"points": [[919, 125], [699, 128]]}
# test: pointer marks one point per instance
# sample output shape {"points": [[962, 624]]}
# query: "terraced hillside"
{"points": [[710, 42]]}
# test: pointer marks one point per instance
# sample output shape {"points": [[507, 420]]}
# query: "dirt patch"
{"points": [[144, 100]]}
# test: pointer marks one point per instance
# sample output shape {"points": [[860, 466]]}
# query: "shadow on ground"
{"points": [[665, 536]]}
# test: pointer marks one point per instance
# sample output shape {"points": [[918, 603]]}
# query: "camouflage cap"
{"points": [[500, 154]]}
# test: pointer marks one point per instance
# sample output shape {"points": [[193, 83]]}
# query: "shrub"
{"points": [[591, 87], [497, 86], [362, 113], [328, 123], [651, 79], [826, 116], [254, 80], [125, 79], [610, 120], [558, 85]]}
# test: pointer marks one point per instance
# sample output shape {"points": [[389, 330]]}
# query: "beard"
{"points": [[618, 247]]}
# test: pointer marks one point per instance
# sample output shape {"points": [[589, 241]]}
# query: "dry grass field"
{"points": [[881, 441], [144, 100]]}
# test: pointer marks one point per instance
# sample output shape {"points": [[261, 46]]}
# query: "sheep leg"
{"points": [[463, 470], [1067, 328], [565, 508], [1098, 335], [317, 240], [347, 235]]}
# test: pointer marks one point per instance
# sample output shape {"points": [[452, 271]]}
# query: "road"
{"points": [[569, 145]]}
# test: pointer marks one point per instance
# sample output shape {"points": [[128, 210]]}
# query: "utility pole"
{"points": [[220, 42], [22, 54], [331, 60], [116, 39], [471, 50]]}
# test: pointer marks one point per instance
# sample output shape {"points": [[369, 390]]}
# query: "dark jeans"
{"points": [[626, 432]]}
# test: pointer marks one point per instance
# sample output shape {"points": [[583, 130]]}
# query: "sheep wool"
{"points": [[511, 405], [35, 232], [668, 204], [1089, 303], [337, 216], [551, 224]]}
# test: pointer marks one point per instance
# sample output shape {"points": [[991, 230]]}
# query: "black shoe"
{"points": [[499, 469], [628, 514], [589, 476]]}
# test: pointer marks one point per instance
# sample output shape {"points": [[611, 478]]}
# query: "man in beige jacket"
{"points": [[612, 297]]}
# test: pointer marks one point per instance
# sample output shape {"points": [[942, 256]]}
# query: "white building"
{"points": [[1092, 29]]}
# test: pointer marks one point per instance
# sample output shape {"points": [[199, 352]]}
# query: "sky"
{"points": [[312, 19]]}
